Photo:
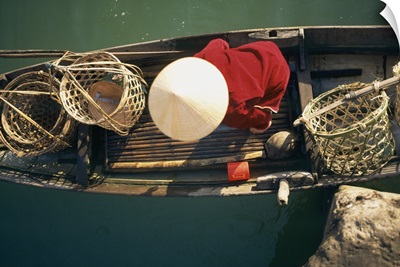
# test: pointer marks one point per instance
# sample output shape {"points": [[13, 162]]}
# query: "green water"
{"points": [[40, 227]]}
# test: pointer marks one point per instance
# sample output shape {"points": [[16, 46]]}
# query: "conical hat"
{"points": [[188, 99]]}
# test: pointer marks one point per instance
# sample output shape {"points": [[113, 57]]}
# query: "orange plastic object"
{"points": [[238, 171]]}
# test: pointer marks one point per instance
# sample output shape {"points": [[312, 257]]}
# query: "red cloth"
{"points": [[257, 75]]}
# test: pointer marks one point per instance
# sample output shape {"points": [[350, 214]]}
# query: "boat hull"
{"points": [[147, 163]]}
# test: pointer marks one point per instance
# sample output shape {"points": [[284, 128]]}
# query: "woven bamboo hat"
{"points": [[188, 99]]}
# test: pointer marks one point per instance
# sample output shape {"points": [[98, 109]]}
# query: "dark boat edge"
{"points": [[330, 39], [263, 184]]}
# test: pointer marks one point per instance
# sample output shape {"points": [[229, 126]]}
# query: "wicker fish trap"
{"points": [[33, 120], [98, 89], [353, 138]]}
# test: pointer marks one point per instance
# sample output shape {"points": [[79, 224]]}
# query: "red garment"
{"points": [[257, 75]]}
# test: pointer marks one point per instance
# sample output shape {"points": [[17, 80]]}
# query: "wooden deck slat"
{"points": [[147, 147]]}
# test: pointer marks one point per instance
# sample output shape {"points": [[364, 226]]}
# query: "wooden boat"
{"points": [[147, 163]]}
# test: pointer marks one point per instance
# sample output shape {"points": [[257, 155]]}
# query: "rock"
{"points": [[363, 229]]}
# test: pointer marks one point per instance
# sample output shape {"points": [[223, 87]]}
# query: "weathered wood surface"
{"points": [[176, 183], [325, 39], [294, 178], [146, 148], [31, 53]]}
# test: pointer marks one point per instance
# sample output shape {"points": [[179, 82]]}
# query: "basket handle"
{"points": [[360, 92]]}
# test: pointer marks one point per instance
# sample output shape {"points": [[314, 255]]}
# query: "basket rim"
{"points": [[366, 121]]}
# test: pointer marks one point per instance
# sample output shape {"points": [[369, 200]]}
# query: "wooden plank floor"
{"points": [[146, 147]]}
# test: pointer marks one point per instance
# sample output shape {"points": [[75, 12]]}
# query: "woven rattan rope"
{"points": [[353, 139], [26, 92], [91, 68]]}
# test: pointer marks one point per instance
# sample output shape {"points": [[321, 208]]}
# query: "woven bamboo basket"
{"points": [[33, 120], [97, 89], [396, 72], [353, 138]]}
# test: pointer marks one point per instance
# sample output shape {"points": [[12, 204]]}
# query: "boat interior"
{"points": [[147, 157]]}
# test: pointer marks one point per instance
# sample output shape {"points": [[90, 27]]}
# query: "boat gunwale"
{"points": [[171, 189]]}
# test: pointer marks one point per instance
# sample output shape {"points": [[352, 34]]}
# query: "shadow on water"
{"points": [[69, 228], [303, 233]]}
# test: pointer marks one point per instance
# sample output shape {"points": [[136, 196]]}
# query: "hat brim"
{"points": [[188, 99]]}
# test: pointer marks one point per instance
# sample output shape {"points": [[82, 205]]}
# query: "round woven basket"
{"points": [[353, 138], [33, 120], [98, 89]]}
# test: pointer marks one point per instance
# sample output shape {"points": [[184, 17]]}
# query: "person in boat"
{"points": [[188, 100], [257, 75]]}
